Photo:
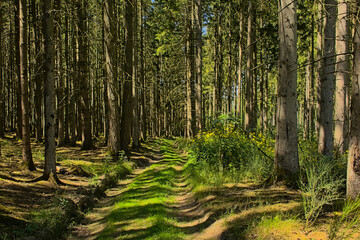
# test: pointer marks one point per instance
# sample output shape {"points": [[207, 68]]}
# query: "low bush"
{"points": [[227, 150]]}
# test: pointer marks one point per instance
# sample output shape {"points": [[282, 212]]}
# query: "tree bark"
{"points": [[286, 141], [126, 117], [135, 109], [49, 91], [111, 79], [85, 111], [59, 71], [239, 84], [38, 74], [342, 78], [326, 83], [353, 168], [25, 106], [250, 115], [198, 62]]}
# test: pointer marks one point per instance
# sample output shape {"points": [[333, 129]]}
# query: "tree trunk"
{"points": [[59, 70], [353, 168], [250, 115], [111, 79], [143, 119], [198, 62], [84, 85], [126, 117], [19, 121], [38, 74], [342, 78], [49, 91], [239, 85], [326, 83], [286, 141], [25, 106], [135, 109]]}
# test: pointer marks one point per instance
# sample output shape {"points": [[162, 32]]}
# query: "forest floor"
{"points": [[156, 201]]}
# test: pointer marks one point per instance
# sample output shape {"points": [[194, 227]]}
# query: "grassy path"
{"points": [[146, 206]]}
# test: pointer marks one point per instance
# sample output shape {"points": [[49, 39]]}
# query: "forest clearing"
{"points": [[180, 119]]}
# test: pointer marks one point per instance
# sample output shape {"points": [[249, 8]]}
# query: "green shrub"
{"points": [[320, 186], [227, 150]]}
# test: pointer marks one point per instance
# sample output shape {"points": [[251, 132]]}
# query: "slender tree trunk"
{"points": [[74, 93], [326, 83], [189, 73], [38, 75], [111, 77], [286, 141], [126, 118], [49, 91], [59, 70], [342, 78], [353, 168], [18, 73], [85, 110], [135, 110], [67, 87], [25, 106], [143, 119], [239, 85], [198, 62], [250, 122], [230, 81]]}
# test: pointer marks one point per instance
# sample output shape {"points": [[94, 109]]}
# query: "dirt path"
{"points": [[157, 203]]}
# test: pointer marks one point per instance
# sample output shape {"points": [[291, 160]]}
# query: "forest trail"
{"points": [[157, 202]]}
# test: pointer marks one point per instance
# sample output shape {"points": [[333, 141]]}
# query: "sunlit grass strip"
{"points": [[142, 212]]}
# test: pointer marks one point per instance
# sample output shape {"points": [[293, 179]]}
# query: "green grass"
{"points": [[142, 212]]}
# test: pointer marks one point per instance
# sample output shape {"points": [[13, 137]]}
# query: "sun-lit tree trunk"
{"points": [[326, 83], [111, 78], [353, 168], [189, 71], [229, 77], [250, 115], [286, 141], [239, 84], [127, 105], [342, 78], [49, 91], [84, 85], [25, 106], [198, 62]]}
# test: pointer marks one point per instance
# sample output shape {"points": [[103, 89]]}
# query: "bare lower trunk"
{"points": [[326, 83], [25, 106], [286, 145], [49, 91], [342, 79], [353, 169]]}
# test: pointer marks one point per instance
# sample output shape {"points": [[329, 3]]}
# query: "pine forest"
{"points": [[180, 119]]}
